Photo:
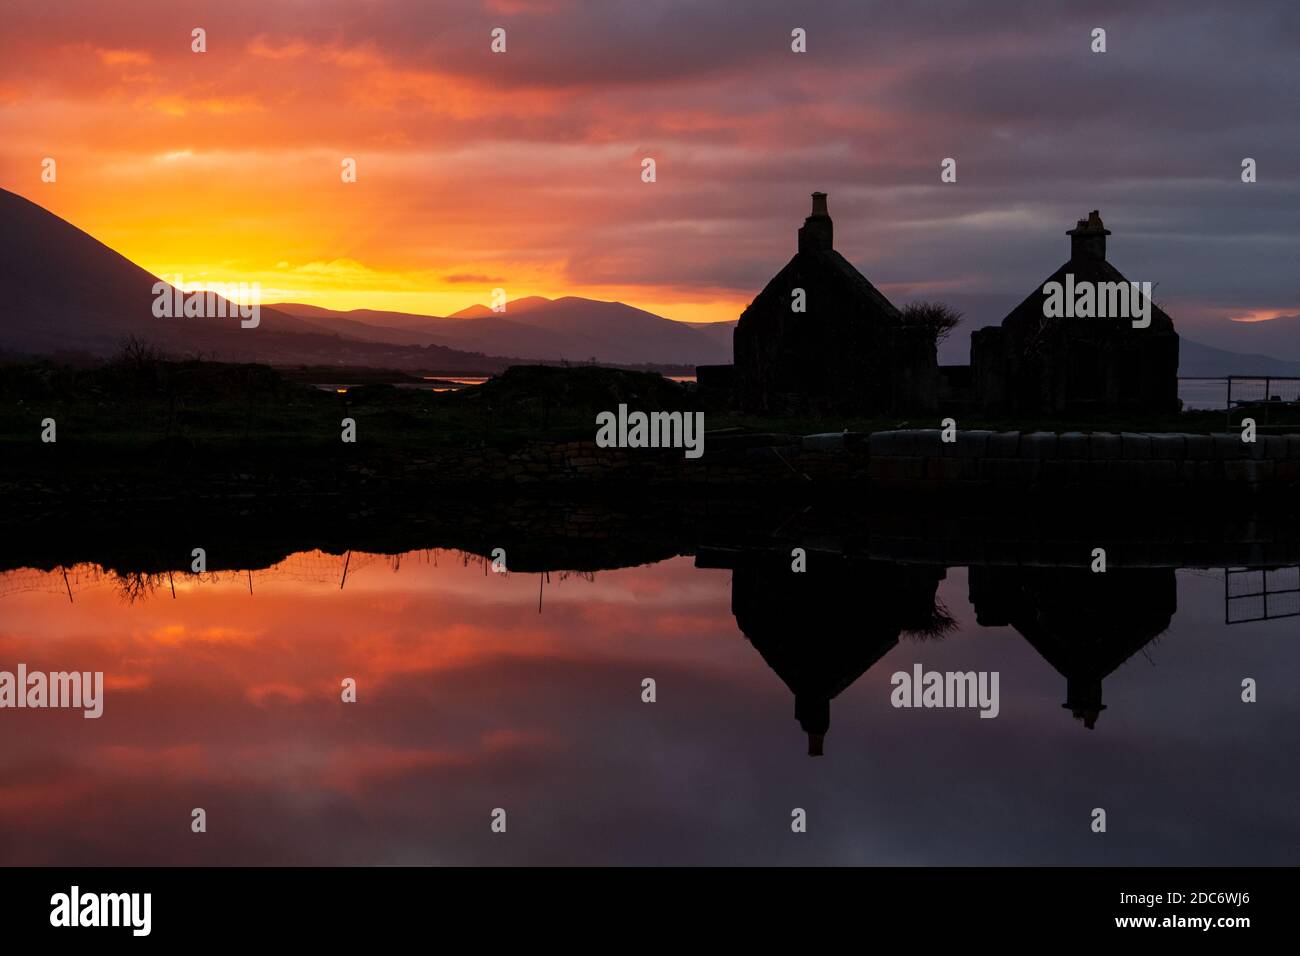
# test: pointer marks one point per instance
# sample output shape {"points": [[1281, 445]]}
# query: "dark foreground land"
{"points": [[140, 430]]}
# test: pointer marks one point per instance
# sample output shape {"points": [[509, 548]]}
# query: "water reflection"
{"points": [[821, 631], [1084, 624], [223, 692]]}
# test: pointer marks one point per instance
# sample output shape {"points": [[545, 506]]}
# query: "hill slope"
{"points": [[1195, 359], [62, 290]]}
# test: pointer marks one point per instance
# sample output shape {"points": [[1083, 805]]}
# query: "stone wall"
{"points": [[912, 459], [1075, 459]]}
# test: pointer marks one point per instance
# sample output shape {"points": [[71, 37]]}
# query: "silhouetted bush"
{"points": [[935, 317]]}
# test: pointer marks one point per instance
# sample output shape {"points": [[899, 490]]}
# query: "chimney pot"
{"points": [[817, 232], [1088, 238]]}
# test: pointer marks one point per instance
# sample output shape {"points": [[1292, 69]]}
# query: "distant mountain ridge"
{"points": [[63, 291], [570, 328], [1196, 359]]}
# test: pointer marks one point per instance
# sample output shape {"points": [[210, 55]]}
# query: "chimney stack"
{"points": [[816, 233], [1088, 238]]}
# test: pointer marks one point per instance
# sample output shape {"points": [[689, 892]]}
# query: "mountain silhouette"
{"points": [[571, 328], [61, 288], [1277, 337], [1196, 359], [516, 307], [491, 334], [63, 291]]}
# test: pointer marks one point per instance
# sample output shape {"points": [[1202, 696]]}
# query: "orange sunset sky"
{"points": [[523, 170], [225, 166]]}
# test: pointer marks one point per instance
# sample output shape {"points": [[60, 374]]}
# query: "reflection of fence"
{"points": [[1260, 594], [1250, 391]]}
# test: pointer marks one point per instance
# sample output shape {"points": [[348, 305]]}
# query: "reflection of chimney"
{"points": [[815, 234], [1083, 700], [1088, 238], [1089, 717], [814, 716]]}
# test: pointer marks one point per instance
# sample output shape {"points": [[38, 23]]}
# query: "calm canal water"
{"points": [[469, 699]]}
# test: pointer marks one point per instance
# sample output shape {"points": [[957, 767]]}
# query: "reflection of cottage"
{"points": [[1084, 624], [849, 350], [811, 630], [1033, 364]]}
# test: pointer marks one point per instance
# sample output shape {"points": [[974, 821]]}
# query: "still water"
{"points": [[226, 696]]}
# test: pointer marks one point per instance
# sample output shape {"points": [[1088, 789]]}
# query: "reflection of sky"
{"points": [[470, 700]]}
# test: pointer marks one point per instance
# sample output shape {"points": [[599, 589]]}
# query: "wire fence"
{"points": [[1231, 392], [1260, 594]]}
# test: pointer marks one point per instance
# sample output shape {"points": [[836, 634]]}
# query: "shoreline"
{"points": [[544, 528]]}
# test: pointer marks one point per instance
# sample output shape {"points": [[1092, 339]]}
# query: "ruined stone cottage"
{"points": [[821, 337], [1034, 363]]}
